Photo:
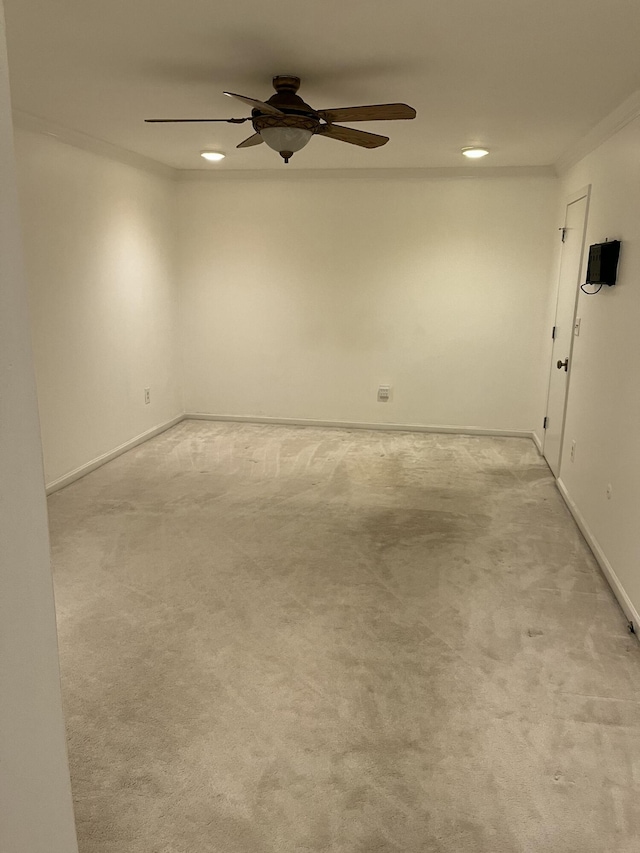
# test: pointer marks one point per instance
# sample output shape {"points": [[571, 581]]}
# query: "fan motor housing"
{"points": [[286, 99], [303, 122]]}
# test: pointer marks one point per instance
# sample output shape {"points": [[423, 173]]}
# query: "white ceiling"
{"points": [[526, 78]]}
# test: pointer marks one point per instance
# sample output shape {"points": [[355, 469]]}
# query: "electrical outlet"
{"points": [[573, 450], [609, 491], [384, 393], [147, 396]]}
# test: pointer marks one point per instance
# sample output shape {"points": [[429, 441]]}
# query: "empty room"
{"points": [[319, 406]]}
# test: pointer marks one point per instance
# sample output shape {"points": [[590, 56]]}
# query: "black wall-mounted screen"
{"points": [[603, 263]]}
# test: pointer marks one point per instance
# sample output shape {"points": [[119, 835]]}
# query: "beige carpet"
{"points": [[278, 639]]}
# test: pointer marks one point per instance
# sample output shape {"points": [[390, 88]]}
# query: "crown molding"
{"points": [[610, 125], [436, 173], [35, 124]]}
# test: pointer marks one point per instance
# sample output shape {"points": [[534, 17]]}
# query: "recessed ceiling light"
{"points": [[214, 156], [474, 153]]}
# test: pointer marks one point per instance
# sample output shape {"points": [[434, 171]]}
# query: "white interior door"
{"points": [[569, 280]]}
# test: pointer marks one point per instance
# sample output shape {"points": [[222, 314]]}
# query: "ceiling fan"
{"points": [[286, 123]]}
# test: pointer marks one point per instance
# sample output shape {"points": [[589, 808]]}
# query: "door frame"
{"points": [[583, 192]]}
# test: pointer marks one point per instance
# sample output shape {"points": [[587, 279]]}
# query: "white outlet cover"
{"points": [[384, 392]]}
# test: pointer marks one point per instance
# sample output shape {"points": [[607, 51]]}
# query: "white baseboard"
{"points": [[74, 475], [82, 470], [389, 427], [607, 569], [537, 442]]}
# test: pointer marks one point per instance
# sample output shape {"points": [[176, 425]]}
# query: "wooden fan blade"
{"points": [[258, 105], [229, 120], [373, 112], [256, 139], [354, 137]]}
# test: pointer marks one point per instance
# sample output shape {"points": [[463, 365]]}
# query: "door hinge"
{"points": [[553, 332], [544, 423], [563, 234]]}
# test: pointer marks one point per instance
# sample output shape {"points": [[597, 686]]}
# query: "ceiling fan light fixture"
{"points": [[286, 140], [212, 156], [474, 152]]}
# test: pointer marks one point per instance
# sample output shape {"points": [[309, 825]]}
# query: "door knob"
{"points": [[564, 364]]}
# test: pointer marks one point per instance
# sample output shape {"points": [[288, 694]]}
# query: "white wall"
{"points": [[603, 413], [100, 250], [36, 813], [301, 295]]}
